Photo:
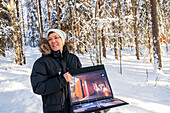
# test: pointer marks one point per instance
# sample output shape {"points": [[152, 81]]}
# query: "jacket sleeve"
{"points": [[40, 82]]}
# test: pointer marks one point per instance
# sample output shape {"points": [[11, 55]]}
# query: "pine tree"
{"points": [[17, 45], [114, 29], [41, 21], [49, 17], [134, 8], [155, 32]]}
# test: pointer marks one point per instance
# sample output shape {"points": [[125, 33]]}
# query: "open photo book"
{"points": [[90, 90]]}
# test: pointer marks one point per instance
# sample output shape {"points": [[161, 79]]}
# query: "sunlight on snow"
{"points": [[11, 86]]}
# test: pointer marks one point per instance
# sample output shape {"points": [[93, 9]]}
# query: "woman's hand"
{"points": [[68, 76]]}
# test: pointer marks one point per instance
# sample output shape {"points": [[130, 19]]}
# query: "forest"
{"points": [[92, 26]]}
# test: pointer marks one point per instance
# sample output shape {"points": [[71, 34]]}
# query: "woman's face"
{"points": [[55, 42]]}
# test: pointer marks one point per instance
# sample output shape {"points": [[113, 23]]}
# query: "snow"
{"points": [[145, 93]]}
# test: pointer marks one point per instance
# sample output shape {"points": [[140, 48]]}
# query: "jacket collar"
{"points": [[57, 54]]}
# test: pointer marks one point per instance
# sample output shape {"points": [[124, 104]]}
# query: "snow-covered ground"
{"points": [[145, 93]]}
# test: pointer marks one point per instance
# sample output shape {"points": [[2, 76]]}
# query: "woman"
{"points": [[50, 73]]}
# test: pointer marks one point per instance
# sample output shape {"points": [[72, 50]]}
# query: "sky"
{"points": [[145, 90]]}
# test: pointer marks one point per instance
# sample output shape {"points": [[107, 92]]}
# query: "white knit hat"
{"points": [[59, 32]]}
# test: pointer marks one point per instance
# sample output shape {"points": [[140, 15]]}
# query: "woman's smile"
{"points": [[55, 42]]}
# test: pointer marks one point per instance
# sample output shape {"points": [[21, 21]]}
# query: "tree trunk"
{"points": [[102, 31], [80, 43], [134, 10], [101, 36], [39, 20], [21, 56], [120, 39], [76, 30], [86, 44], [100, 48], [31, 26], [23, 23], [166, 33], [48, 7], [96, 36], [149, 33], [155, 32], [17, 7], [42, 29], [2, 45], [58, 14], [71, 23], [114, 29], [53, 2], [150, 48], [103, 43], [2, 37]]}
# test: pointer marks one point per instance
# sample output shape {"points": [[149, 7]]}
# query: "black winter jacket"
{"points": [[47, 80]]}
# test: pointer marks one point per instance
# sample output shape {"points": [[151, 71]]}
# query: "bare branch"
{"points": [[3, 10], [8, 7], [87, 4]]}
